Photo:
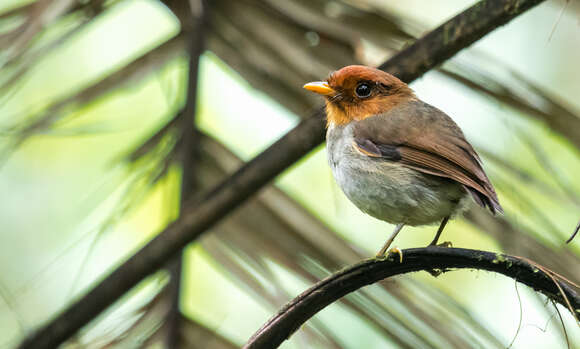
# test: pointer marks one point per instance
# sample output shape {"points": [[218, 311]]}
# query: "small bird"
{"points": [[396, 157]]}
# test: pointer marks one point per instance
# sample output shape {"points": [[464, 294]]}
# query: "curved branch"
{"points": [[198, 216], [300, 309]]}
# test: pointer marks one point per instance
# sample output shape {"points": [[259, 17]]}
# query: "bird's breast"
{"points": [[385, 189]]}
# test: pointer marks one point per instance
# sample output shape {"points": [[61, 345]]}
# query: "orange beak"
{"points": [[320, 87]]}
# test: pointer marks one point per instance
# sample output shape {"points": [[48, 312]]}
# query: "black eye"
{"points": [[363, 90]]}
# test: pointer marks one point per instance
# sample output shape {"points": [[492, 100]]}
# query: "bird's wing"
{"points": [[424, 138]]}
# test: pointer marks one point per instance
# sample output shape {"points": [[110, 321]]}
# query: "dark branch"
{"points": [[460, 31], [426, 53], [188, 154], [299, 310]]}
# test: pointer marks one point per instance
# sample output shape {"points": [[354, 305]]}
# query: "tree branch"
{"points": [[311, 301], [409, 64], [188, 154]]}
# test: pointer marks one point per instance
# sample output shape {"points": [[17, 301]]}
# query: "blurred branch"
{"points": [[426, 53], [132, 72], [454, 35], [135, 71], [188, 149], [19, 9], [195, 335], [531, 181], [553, 113], [298, 311], [16, 67], [39, 16], [150, 328], [225, 252], [574, 233]]}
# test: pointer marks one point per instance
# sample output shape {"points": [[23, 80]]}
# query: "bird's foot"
{"points": [[435, 272], [396, 250], [443, 244]]}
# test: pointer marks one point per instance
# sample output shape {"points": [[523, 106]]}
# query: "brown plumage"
{"points": [[396, 157], [429, 142]]}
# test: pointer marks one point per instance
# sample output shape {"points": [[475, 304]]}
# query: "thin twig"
{"points": [[557, 21], [521, 316], [562, 322], [573, 233], [556, 279]]}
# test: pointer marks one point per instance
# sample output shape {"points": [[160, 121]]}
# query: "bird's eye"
{"points": [[363, 90]]}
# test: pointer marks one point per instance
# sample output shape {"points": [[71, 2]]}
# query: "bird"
{"points": [[397, 158]]}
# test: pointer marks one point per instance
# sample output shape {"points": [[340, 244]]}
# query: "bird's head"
{"points": [[356, 92]]}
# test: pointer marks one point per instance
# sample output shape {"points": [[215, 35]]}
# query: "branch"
{"points": [[130, 74], [300, 309], [574, 233], [198, 216], [188, 148]]}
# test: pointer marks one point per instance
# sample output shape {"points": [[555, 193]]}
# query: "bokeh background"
{"points": [[84, 87]]}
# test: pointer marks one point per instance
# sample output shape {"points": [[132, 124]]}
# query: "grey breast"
{"points": [[387, 190]]}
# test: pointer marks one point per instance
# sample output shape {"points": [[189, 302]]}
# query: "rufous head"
{"points": [[356, 92]]}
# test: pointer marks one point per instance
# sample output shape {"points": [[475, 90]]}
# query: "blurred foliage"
{"points": [[89, 169]]}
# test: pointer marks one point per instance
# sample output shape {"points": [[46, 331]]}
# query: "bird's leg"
{"points": [[390, 240], [439, 231]]}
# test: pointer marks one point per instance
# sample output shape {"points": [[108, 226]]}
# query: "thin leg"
{"points": [[439, 231], [390, 240]]}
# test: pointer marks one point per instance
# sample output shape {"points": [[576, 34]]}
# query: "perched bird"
{"points": [[396, 157]]}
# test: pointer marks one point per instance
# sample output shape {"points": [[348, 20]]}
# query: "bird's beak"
{"points": [[320, 87]]}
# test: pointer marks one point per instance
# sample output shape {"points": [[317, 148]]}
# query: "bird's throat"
{"points": [[336, 114], [340, 113]]}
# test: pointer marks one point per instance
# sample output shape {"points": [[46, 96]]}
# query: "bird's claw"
{"points": [[397, 251], [445, 244], [435, 272]]}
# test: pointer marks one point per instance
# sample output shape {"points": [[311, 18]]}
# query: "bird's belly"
{"points": [[394, 193]]}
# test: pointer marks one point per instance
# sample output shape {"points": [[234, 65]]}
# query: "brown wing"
{"points": [[424, 138]]}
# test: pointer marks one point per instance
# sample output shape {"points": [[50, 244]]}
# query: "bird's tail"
{"points": [[486, 200]]}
